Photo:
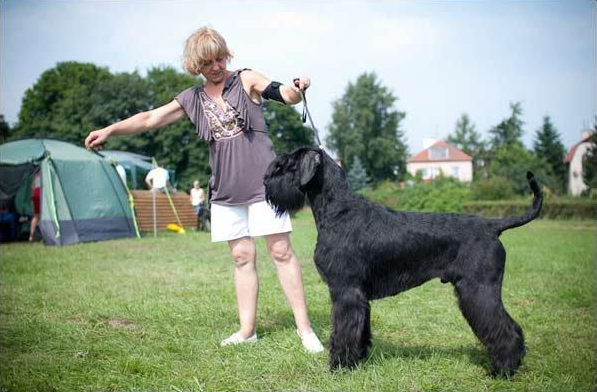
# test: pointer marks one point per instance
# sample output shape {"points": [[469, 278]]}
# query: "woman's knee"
{"points": [[243, 252], [280, 250]]}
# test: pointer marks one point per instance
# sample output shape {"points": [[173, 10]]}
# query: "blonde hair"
{"points": [[202, 46]]}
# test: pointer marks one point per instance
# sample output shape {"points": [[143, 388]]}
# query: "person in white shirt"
{"points": [[157, 179], [197, 200]]}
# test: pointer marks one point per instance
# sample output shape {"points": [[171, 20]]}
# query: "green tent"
{"points": [[83, 198], [136, 167]]}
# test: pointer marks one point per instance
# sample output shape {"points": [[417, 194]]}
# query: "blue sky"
{"points": [[439, 58]]}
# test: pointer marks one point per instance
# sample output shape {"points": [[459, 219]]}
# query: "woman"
{"points": [[226, 111], [197, 199]]}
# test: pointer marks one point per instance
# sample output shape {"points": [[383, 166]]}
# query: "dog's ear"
{"points": [[308, 166]]}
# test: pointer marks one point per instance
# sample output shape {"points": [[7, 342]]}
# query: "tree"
{"points": [[365, 125], [513, 161], [357, 175], [547, 145], [285, 128], [509, 131], [72, 99], [4, 129], [590, 161], [467, 139]]}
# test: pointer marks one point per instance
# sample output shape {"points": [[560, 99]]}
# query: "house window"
{"points": [[456, 171], [435, 172], [438, 153], [424, 172]]}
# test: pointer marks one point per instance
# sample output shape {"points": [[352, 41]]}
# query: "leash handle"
{"points": [[306, 113]]}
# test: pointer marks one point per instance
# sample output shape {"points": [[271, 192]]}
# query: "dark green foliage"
{"points": [[513, 161], [440, 195], [366, 125], [590, 162], [509, 131], [547, 145], [467, 139], [285, 127], [555, 208], [357, 176], [494, 188], [447, 195], [63, 103], [508, 157]]}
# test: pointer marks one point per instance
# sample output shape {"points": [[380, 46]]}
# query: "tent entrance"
{"points": [[16, 207]]}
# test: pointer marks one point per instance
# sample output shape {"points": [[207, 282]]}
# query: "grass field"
{"points": [[149, 314]]}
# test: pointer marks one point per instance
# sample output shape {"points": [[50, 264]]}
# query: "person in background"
{"points": [[36, 199], [197, 201], [157, 179]]}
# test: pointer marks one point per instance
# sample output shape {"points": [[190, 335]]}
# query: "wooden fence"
{"points": [[164, 213]]}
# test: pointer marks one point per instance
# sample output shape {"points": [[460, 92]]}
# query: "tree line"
{"points": [[367, 134], [72, 99]]}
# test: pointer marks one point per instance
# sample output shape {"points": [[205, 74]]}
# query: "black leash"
{"points": [[306, 114]]}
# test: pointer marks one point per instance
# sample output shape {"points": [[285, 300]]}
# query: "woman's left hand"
{"points": [[301, 83]]}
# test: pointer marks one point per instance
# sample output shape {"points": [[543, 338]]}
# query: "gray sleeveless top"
{"points": [[239, 147]]}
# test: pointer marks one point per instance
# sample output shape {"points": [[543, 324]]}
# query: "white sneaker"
{"points": [[236, 338], [310, 342]]}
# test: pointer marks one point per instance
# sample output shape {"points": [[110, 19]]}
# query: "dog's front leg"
{"points": [[351, 332]]}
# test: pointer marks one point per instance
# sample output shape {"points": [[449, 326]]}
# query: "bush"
{"points": [[448, 195], [577, 208], [493, 188], [441, 195]]}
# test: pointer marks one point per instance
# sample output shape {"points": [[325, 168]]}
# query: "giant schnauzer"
{"points": [[366, 251]]}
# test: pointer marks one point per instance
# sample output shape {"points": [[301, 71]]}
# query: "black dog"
{"points": [[366, 251]]}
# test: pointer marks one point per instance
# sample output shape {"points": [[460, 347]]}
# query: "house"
{"points": [[573, 161], [439, 156]]}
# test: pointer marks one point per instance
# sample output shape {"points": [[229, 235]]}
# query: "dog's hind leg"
{"points": [[481, 305], [351, 331]]}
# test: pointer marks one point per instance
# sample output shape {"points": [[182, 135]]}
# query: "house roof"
{"points": [[454, 154], [572, 150]]}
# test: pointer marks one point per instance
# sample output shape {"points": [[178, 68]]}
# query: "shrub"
{"points": [[440, 195], [493, 188], [562, 208], [448, 195]]}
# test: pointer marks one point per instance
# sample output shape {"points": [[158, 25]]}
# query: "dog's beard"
{"points": [[283, 196]]}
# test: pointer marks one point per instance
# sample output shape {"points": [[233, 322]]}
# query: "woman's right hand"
{"points": [[96, 139]]}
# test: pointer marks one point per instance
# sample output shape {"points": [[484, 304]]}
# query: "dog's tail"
{"points": [[531, 213]]}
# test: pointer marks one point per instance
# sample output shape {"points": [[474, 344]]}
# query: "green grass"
{"points": [[149, 314]]}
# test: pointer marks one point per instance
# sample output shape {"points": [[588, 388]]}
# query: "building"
{"points": [[573, 161], [439, 156]]}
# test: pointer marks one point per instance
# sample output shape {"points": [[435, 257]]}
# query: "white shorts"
{"points": [[251, 220]]}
